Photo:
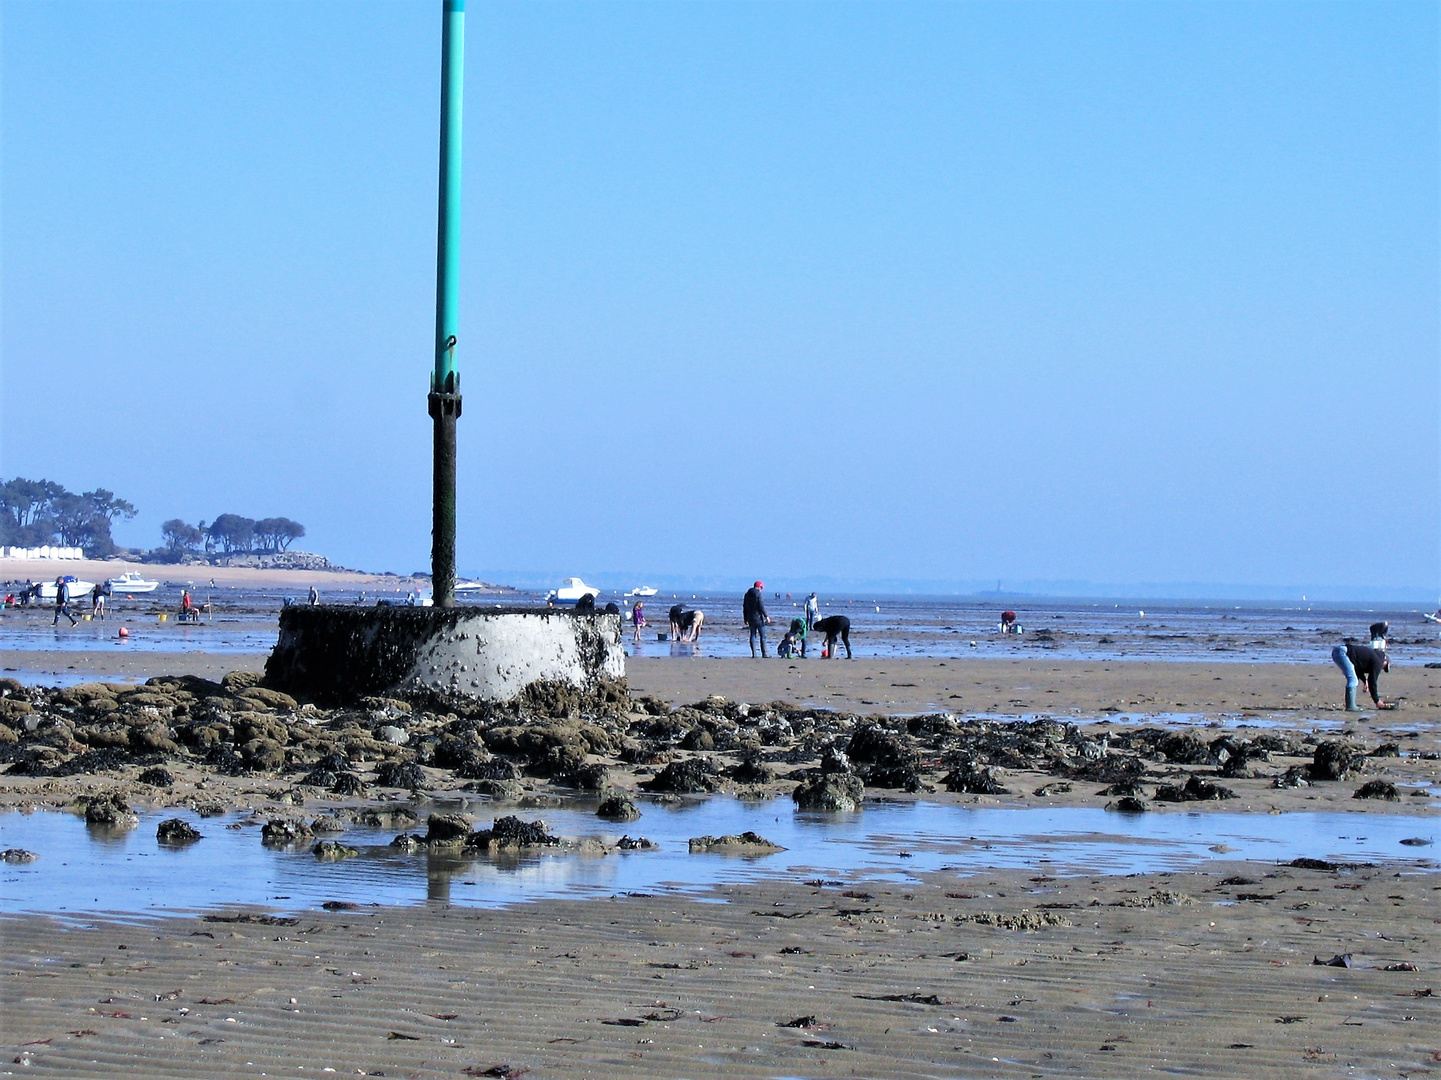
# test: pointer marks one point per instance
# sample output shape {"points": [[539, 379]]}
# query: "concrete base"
{"points": [[336, 655]]}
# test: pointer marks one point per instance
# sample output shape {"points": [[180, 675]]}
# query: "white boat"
{"points": [[132, 583], [642, 590], [78, 589], [471, 586], [571, 592]]}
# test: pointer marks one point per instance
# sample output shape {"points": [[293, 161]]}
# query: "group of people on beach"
{"points": [[686, 624]]}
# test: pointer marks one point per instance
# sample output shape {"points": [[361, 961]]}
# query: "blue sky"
{"points": [[1119, 293]]}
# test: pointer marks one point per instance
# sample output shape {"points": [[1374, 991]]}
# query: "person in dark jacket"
{"points": [[62, 602], [1361, 662], [834, 626], [753, 609]]}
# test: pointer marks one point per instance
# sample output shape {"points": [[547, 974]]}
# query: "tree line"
{"points": [[232, 534], [40, 513]]}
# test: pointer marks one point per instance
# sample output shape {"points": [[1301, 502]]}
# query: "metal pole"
{"points": [[444, 400]]}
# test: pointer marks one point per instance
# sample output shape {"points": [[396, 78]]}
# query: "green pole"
{"points": [[444, 400]]}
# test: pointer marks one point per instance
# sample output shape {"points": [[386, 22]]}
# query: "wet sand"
{"points": [[124, 664], [1120, 975], [1011, 687], [998, 974], [902, 685]]}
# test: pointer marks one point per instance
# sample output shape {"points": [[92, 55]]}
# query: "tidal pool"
{"points": [[86, 870]]}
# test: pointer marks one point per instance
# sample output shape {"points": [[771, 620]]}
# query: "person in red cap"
{"points": [[753, 608]]}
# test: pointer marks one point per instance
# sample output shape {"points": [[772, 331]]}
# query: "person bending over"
{"points": [[690, 625], [835, 626], [1361, 662]]}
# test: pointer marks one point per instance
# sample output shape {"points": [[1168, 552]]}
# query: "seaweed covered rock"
{"points": [[333, 851], [441, 829], [176, 831], [111, 811], [972, 779], [512, 834], [399, 774], [499, 790], [830, 792], [1335, 760], [746, 843], [689, 777], [281, 832], [617, 807], [1193, 790], [1377, 789], [884, 760], [1185, 748], [156, 776]]}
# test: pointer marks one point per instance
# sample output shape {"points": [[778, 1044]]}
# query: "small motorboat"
{"points": [[471, 586], [78, 588], [571, 592], [642, 590], [132, 583]]}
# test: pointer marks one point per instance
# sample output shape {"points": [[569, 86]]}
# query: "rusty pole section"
{"points": [[444, 399]]}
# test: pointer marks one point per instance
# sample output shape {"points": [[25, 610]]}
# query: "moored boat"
{"points": [[132, 583], [571, 592]]}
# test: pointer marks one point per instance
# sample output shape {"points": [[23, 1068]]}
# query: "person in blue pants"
{"points": [[1357, 662]]}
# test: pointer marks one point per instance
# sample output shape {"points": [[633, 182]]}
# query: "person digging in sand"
{"points": [[1357, 662], [835, 626]]}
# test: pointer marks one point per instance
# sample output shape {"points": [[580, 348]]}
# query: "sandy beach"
{"points": [[1000, 973], [225, 576]]}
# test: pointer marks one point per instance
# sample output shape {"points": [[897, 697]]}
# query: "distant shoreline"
{"points": [[181, 574]]}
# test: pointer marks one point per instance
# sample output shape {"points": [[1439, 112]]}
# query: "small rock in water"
{"points": [[832, 793], [617, 807], [499, 790], [447, 829], [111, 810], [510, 833], [409, 843], [17, 856], [333, 851], [1417, 841], [746, 843], [636, 843], [176, 831], [1128, 804], [280, 831], [327, 823]]}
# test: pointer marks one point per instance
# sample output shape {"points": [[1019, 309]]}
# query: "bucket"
{"points": [[164, 618], [662, 637]]}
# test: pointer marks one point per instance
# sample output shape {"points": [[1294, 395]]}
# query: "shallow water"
{"points": [[86, 870], [244, 621]]}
